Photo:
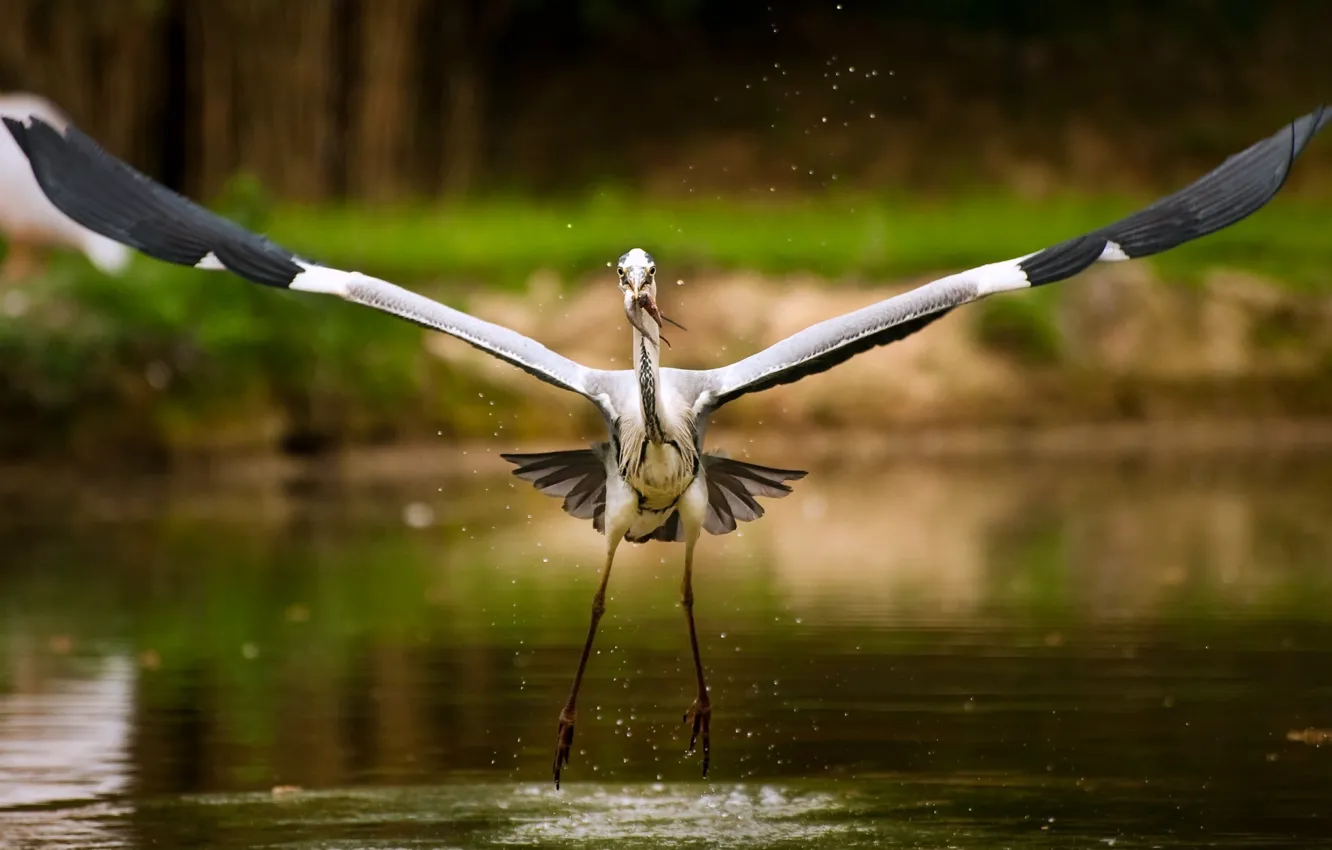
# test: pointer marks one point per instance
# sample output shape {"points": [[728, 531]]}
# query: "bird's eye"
{"points": [[620, 271], [652, 270]]}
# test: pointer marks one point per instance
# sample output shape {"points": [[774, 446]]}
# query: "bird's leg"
{"points": [[564, 735], [700, 713]]}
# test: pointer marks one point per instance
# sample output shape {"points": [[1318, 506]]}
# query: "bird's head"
{"points": [[638, 281]]}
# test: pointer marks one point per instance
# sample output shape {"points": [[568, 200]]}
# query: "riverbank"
{"points": [[842, 238], [236, 483], [170, 363]]}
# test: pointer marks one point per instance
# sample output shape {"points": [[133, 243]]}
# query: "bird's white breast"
{"points": [[658, 472]]}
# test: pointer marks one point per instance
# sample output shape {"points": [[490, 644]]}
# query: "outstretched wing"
{"points": [[1237, 188], [109, 197]]}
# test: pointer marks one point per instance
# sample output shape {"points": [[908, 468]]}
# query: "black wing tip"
{"points": [[19, 130], [24, 128], [108, 196], [1319, 117], [1255, 176], [1302, 132], [1304, 128]]}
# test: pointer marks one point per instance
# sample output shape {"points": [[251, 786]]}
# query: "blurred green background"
{"points": [[805, 157], [1058, 576]]}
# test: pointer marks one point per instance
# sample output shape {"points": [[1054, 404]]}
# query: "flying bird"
{"points": [[28, 221], [651, 478]]}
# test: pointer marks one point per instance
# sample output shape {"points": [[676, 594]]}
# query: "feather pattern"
{"points": [[109, 197], [657, 417], [579, 478], [1235, 189]]}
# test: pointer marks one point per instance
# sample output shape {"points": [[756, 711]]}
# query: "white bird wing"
{"points": [[106, 195], [1238, 187]]}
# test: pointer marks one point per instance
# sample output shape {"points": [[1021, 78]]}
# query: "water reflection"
{"points": [[922, 654], [65, 738], [64, 735]]}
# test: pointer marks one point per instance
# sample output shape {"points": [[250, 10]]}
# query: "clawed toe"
{"points": [[700, 716], [563, 743]]}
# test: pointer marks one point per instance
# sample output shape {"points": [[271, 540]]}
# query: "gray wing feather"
{"points": [[1235, 189], [579, 478], [733, 486], [107, 196], [507, 345], [718, 519], [587, 499]]}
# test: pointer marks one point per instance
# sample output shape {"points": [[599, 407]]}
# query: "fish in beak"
{"points": [[636, 279], [634, 309], [635, 305], [638, 300]]}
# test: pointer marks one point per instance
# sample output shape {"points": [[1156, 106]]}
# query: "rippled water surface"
{"points": [[1018, 654]]}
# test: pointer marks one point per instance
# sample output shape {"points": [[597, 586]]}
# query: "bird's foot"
{"points": [[700, 716], [563, 742]]}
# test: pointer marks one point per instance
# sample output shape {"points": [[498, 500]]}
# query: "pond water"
{"points": [[1022, 653]]}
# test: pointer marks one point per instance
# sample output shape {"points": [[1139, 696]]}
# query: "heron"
{"points": [[650, 479], [29, 222]]}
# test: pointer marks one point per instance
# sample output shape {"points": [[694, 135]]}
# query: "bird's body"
{"points": [[650, 479], [656, 441], [656, 448], [655, 476]]}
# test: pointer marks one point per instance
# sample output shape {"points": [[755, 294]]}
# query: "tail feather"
{"points": [[562, 480], [733, 486], [588, 499], [579, 478]]}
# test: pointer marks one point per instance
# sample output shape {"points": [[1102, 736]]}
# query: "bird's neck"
{"points": [[647, 366]]}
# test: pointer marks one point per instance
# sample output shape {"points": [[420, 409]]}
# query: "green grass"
{"points": [[501, 242], [173, 357]]}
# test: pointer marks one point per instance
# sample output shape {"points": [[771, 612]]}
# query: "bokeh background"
{"points": [[1059, 575], [785, 162]]}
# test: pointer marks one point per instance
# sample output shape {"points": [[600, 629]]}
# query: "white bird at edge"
{"points": [[651, 479]]}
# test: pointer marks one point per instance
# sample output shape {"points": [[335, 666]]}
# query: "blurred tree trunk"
{"points": [[464, 109], [286, 82], [213, 94], [98, 62], [268, 82], [382, 117], [468, 29]]}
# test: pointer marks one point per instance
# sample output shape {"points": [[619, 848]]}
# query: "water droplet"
{"points": [[418, 515], [15, 303]]}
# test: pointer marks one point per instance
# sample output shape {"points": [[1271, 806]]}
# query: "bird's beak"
{"points": [[636, 277], [638, 301]]}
